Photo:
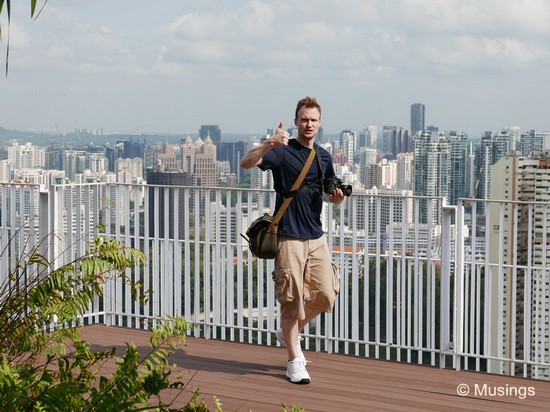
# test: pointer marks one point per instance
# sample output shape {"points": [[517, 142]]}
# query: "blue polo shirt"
{"points": [[302, 219]]}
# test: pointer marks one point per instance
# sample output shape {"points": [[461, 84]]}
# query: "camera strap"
{"points": [[303, 187]]}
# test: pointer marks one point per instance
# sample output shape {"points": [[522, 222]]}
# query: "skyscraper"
{"points": [[405, 171], [483, 162], [387, 133], [457, 170], [532, 141], [431, 174], [348, 145], [368, 137], [204, 173], [160, 197], [213, 131], [418, 121], [517, 231]]}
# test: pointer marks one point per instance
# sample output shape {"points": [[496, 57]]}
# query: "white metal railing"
{"points": [[456, 291]]}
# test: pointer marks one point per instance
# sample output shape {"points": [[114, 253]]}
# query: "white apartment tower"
{"points": [[348, 145], [404, 171], [26, 156], [458, 164], [516, 234], [380, 208], [431, 174]]}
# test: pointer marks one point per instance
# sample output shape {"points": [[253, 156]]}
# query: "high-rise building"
{"points": [[483, 162], [470, 171], [160, 196], [380, 175], [233, 153], [211, 131], [368, 137], [53, 157], [26, 156], [385, 145], [418, 118], [517, 231], [132, 148], [205, 171], [382, 207], [367, 157], [502, 145], [401, 142], [532, 142], [73, 162], [188, 149], [431, 174], [515, 134], [129, 170], [404, 171], [348, 145], [457, 178], [168, 157]]}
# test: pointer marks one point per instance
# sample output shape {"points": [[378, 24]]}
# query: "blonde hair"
{"points": [[308, 102]]}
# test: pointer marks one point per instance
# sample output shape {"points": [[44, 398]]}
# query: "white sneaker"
{"points": [[296, 372], [281, 339]]}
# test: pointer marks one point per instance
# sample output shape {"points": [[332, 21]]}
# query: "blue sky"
{"points": [[170, 66]]}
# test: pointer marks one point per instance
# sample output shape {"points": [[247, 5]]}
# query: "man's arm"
{"points": [[255, 155]]}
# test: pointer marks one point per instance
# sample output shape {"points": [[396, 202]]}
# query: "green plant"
{"points": [[34, 15], [293, 409], [44, 365]]}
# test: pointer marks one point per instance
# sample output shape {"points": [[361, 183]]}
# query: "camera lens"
{"points": [[346, 189]]}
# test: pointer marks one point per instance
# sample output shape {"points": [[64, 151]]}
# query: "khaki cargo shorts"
{"points": [[304, 275]]}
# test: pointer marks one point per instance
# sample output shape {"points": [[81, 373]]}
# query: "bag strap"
{"points": [[294, 188], [303, 187]]}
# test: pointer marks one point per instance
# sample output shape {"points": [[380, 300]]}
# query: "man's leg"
{"points": [[310, 314], [291, 331], [290, 334]]}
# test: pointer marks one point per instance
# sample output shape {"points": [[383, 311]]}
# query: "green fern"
{"points": [[52, 369]]}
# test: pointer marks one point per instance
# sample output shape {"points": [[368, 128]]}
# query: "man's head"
{"points": [[308, 102], [307, 118]]}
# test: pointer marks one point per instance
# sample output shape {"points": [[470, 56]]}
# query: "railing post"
{"points": [[445, 298], [458, 300], [43, 220]]}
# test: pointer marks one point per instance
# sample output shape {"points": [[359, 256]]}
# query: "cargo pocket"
{"points": [[284, 285], [335, 278]]}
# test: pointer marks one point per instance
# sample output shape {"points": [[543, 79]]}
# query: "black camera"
{"points": [[332, 183]]}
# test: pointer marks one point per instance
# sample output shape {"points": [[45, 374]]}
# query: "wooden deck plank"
{"points": [[247, 377]]}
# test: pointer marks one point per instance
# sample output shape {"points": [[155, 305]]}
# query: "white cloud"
{"points": [[375, 54]]}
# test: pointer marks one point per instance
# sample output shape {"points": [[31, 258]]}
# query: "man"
{"points": [[303, 275]]}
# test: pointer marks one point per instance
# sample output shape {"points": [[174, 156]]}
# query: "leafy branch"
{"points": [[45, 365], [34, 15]]}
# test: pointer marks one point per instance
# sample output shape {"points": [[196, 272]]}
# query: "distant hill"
{"points": [[7, 135], [75, 139]]}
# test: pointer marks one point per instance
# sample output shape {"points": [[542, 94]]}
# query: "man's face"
{"points": [[308, 122]]}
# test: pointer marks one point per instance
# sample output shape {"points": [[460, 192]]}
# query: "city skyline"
{"points": [[139, 67]]}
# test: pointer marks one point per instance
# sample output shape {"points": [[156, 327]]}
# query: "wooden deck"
{"points": [[252, 378]]}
